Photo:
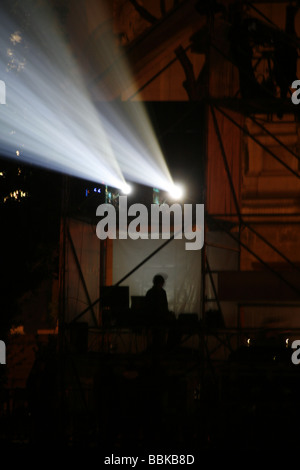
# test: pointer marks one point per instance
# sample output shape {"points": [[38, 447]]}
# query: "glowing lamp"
{"points": [[176, 192], [126, 189]]}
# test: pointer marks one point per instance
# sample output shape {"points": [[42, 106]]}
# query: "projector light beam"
{"points": [[50, 120]]}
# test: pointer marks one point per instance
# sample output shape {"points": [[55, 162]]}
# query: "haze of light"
{"points": [[49, 118]]}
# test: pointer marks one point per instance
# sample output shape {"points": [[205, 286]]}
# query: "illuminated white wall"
{"points": [[182, 268], [87, 247]]}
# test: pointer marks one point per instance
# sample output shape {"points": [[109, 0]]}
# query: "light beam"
{"points": [[50, 120]]}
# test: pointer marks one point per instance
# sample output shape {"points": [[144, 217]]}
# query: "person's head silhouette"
{"points": [[158, 281]]}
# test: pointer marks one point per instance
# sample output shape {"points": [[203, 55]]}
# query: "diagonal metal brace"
{"points": [[81, 277]]}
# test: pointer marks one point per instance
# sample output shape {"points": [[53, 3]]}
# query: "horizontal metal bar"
{"points": [[253, 214]]}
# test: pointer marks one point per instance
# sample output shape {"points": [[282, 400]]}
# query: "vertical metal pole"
{"points": [[62, 267], [62, 305], [102, 268]]}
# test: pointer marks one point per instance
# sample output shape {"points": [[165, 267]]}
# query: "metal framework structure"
{"points": [[227, 338], [221, 105]]}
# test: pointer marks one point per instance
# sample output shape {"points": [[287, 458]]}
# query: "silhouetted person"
{"points": [[156, 300], [157, 311]]}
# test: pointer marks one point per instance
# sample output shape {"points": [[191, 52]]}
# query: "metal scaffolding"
{"points": [[215, 337]]}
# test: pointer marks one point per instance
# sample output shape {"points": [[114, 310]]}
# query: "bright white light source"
{"points": [[126, 189], [176, 192], [58, 120]]}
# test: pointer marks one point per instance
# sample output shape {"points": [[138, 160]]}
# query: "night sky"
{"points": [[30, 230]]}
